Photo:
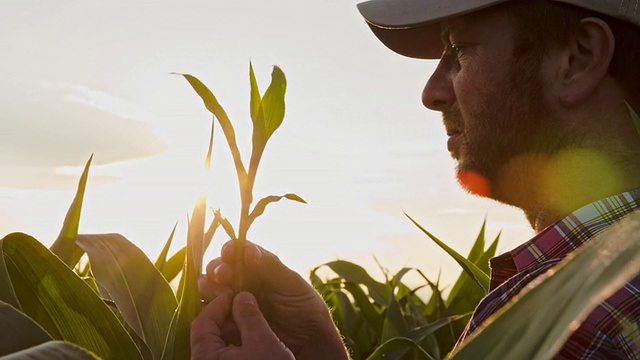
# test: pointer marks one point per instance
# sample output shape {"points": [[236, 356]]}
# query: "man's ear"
{"points": [[587, 60]]}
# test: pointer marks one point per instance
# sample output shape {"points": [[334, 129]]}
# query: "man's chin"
{"points": [[473, 181]]}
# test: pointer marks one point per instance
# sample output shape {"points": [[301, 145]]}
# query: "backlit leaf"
{"points": [[346, 311], [226, 225], [272, 108], [65, 245], [175, 264], [62, 303], [369, 312], [207, 161], [143, 297], [355, 273], [255, 95], [211, 103], [480, 277], [162, 258], [261, 205], [177, 345]]}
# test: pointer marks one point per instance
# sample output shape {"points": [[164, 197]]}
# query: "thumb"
{"points": [[254, 328]]}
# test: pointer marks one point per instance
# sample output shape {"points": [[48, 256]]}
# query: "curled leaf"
{"points": [[262, 204], [211, 103], [226, 225]]}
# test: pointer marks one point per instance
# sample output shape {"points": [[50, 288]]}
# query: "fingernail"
{"points": [[256, 254], [246, 298], [216, 273]]}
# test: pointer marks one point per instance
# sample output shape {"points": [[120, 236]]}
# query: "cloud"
{"points": [[45, 127]]}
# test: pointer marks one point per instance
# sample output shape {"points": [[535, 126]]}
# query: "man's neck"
{"points": [[567, 182]]}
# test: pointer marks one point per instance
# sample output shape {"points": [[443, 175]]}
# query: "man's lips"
{"points": [[453, 144]]}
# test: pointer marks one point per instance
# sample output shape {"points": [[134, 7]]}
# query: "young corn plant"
{"points": [[118, 304], [267, 112], [389, 320]]}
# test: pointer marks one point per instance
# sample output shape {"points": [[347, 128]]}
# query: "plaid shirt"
{"points": [[612, 330]]}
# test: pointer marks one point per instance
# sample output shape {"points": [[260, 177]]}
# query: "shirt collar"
{"points": [[561, 238]]}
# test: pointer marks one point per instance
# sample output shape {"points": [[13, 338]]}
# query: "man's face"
{"points": [[492, 103]]}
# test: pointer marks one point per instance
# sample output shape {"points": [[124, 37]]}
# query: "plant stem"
{"points": [[246, 196]]}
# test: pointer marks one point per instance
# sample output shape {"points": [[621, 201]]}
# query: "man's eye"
{"points": [[457, 51]]}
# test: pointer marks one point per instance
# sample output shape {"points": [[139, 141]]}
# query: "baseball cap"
{"points": [[412, 27]]}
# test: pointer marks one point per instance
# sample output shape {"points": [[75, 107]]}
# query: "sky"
{"points": [[87, 77]]}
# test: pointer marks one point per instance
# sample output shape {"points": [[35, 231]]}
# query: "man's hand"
{"points": [[259, 341], [294, 310]]}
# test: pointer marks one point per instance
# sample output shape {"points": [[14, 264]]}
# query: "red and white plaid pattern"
{"points": [[612, 330]]}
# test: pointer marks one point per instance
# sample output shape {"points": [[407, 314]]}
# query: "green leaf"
{"points": [[176, 263], [255, 95], [346, 311], [479, 276], [271, 111], [396, 344], [62, 303], [435, 306], [369, 312], [262, 204], [65, 245], [421, 332], [211, 103], [379, 292], [226, 225], [397, 278], [465, 295], [162, 258], [395, 324], [195, 235], [177, 345], [538, 323], [17, 331], [52, 350], [142, 295], [478, 246]]}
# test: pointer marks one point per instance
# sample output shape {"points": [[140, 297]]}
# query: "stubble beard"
{"points": [[513, 123]]}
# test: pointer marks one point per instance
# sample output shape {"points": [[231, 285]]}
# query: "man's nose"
{"points": [[438, 94]]}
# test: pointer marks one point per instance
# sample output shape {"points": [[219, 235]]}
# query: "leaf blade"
{"points": [[479, 276], [65, 246], [137, 287], [48, 291]]}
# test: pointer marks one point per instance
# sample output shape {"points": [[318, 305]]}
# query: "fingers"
{"points": [[262, 268], [254, 329], [205, 328]]}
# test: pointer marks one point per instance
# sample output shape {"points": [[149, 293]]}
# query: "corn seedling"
{"points": [[267, 112]]}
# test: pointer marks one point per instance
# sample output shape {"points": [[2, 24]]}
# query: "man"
{"points": [[534, 98]]}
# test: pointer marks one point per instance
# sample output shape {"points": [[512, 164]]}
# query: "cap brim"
{"points": [[412, 27]]}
